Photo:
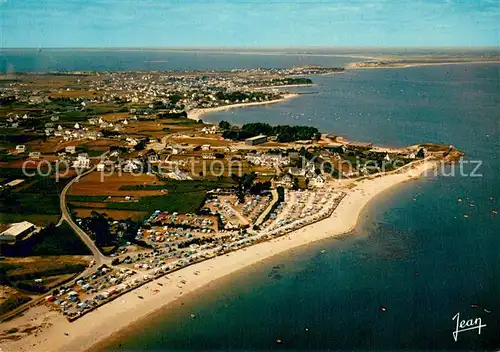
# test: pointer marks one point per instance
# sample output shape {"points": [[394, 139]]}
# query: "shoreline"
{"points": [[95, 330], [353, 66], [196, 114], [286, 86]]}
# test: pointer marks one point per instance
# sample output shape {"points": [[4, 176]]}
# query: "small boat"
{"points": [[323, 251], [486, 310], [382, 309], [193, 316], [474, 305], [494, 212], [159, 284], [278, 341], [466, 216], [459, 200], [140, 297]]}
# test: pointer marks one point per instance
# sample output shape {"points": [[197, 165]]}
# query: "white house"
{"points": [[130, 166], [82, 161], [286, 181], [21, 148], [34, 155], [209, 130], [71, 149], [205, 147], [177, 150], [317, 181], [100, 167]]}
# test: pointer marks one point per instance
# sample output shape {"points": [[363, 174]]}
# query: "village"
{"points": [[121, 169]]}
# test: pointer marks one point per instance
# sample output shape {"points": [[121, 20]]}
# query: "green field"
{"points": [[182, 197], [60, 240], [37, 219], [85, 198], [40, 197]]}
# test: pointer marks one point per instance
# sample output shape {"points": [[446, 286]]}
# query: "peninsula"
{"points": [[143, 203]]}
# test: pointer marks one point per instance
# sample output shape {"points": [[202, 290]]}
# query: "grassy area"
{"points": [[85, 198], [60, 240], [91, 152], [21, 273], [37, 219], [182, 197], [167, 202], [143, 187], [73, 116], [41, 197]]}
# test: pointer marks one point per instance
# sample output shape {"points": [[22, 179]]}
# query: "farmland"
{"points": [[39, 195], [98, 184], [138, 195]]}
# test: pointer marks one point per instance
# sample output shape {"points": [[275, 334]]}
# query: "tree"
{"points": [[224, 125], [421, 153], [243, 184], [99, 225]]}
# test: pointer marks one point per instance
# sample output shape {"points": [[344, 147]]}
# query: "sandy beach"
{"points": [[52, 332], [196, 114], [355, 65]]}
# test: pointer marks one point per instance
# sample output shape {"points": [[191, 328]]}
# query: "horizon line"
{"points": [[265, 47]]}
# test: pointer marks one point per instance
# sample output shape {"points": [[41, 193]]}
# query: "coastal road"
{"points": [[66, 216]]}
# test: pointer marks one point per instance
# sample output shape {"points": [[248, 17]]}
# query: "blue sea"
{"points": [[45, 60], [413, 251]]}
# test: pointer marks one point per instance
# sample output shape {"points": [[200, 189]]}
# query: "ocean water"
{"points": [[33, 60], [413, 251]]}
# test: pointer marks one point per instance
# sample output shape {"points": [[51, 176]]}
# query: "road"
{"points": [[262, 216], [66, 216]]}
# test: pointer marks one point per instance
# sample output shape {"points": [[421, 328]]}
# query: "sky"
{"points": [[158, 23]]}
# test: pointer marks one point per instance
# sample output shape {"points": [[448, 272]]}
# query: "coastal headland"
{"points": [[417, 62], [297, 186]]}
